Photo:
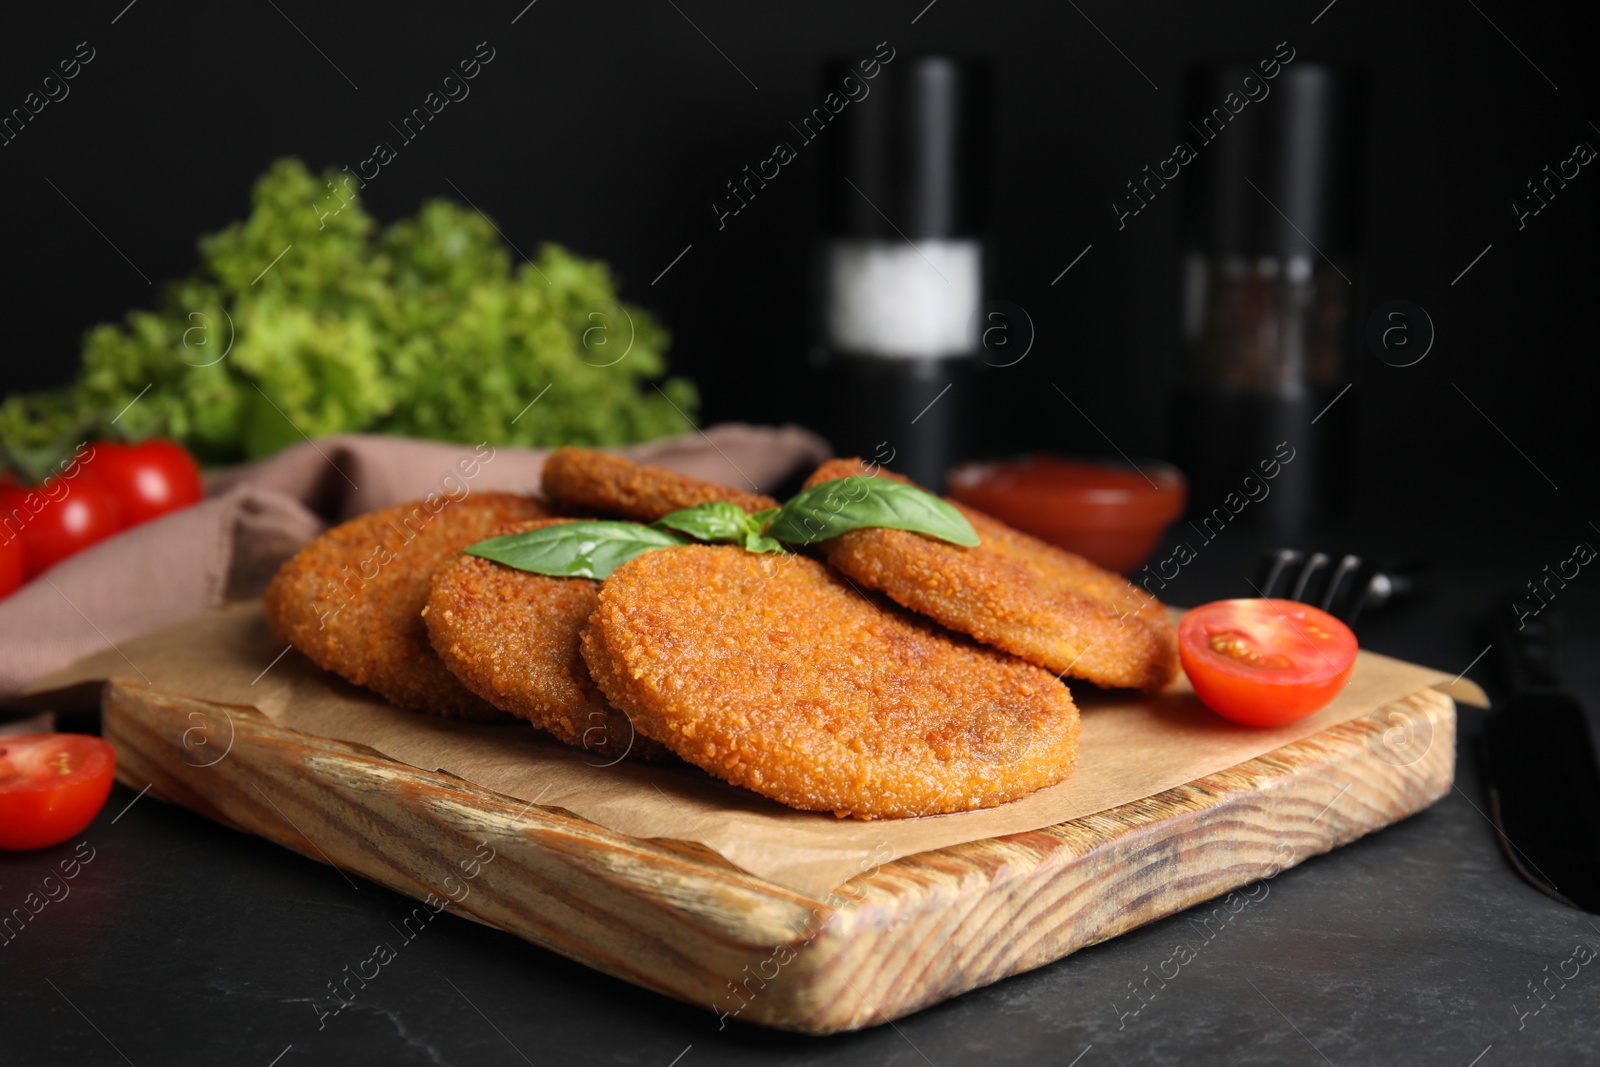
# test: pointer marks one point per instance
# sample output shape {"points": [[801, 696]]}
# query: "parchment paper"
{"points": [[1133, 746]]}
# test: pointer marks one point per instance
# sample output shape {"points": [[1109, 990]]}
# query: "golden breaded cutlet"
{"points": [[511, 637], [583, 481], [770, 672], [1014, 592], [352, 599]]}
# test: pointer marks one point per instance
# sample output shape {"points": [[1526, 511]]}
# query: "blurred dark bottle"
{"points": [[901, 261], [1271, 225]]}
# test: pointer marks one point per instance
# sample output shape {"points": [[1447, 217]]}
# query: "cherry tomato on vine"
{"points": [[51, 787], [1265, 662]]}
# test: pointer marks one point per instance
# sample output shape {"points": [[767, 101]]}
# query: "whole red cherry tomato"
{"points": [[51, 787], [13, 563], [148, 479], [57, 518]]}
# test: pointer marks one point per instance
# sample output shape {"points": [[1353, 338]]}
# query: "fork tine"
{"points": [[1344, 589], [1315, 564], [1282, 561], [1347, 568]]}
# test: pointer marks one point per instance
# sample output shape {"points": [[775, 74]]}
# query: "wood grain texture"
{"points": [[679, 919]]}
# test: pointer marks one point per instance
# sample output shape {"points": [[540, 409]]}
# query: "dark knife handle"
{"points": [[1527, 641]]}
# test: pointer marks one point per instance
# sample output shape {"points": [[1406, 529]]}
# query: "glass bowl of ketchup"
{"points": [[1112, 514]]}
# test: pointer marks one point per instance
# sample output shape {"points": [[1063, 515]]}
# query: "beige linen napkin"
{"points": [[255, 516]]}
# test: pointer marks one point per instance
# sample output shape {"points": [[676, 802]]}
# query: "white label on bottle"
{"points": [[902, 300]]}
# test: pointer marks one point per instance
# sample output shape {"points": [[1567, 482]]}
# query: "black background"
{"points": [[608, 128]]}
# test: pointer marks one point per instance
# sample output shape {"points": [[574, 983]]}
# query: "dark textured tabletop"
{"points": [[180, 942]]}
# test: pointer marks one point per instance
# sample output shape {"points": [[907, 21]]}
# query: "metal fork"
{"points": [[1343, 589]]}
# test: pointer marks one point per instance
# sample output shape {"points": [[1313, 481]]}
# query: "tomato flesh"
{"points": [[51, 787], [1265, 662]]}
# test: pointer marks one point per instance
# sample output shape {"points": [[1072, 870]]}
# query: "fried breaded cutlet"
{"points": [[770, 672], [583, 481], [511, 637], [1014, 592], [352, 599]]}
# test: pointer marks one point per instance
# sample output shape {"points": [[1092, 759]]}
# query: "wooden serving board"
{"points": [[679, 919]]}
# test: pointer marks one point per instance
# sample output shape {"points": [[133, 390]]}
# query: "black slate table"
{"points": [[181, 942]]}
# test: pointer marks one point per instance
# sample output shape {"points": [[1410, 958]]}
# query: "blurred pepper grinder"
{"points": [[1271, 228], [901, 263]]}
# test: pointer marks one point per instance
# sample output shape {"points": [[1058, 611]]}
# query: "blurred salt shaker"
{"points": [[901, 262]]}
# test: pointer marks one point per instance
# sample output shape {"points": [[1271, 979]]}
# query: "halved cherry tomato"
{"points": [[59, 517], [51, 787], [148, 479], [1265, 662]]}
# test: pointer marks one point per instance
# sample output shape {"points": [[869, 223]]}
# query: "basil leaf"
{"points": [[754, 525], [575, 549], [719, 521], [837, 507], [754, 542], [715, 521]]}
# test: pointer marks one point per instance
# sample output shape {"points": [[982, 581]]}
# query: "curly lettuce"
{"points": [[307, 319]]}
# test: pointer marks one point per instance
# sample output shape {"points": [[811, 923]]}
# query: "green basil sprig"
{"points": [[593, 549], [756, 538], [575, 549], [837, 507], [720, 521]]}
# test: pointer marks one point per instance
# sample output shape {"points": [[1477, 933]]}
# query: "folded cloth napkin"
{"points": [[255, 516]]}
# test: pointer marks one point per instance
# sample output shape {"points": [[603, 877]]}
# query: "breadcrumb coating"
{"points": [[352, 599], [511, 637], [770, 672], [1014, 592], [582, 481]]}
